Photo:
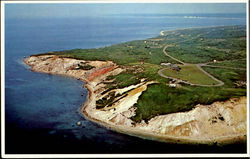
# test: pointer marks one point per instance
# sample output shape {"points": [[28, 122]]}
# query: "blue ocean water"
{"points": [[41, 110]]}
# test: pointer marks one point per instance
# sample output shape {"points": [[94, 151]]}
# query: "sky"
{"points": [[83, 9]]}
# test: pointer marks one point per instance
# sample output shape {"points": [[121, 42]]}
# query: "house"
{"points": [[174, 67]]}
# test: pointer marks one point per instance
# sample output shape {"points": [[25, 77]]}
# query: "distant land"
{"points": [[183, 86]]}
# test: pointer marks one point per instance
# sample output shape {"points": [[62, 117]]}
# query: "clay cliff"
{"points": [[220, 122]]}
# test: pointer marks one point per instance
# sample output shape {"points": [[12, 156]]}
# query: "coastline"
{"points": [[142, 131], [162, 32], [220, 141]]}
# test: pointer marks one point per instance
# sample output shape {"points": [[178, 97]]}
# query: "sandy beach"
{"points": [[203, 124], [222, 140]]}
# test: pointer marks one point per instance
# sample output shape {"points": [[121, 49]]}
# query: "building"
{"points": [[173, 85], [172, 66], [165, 64]]}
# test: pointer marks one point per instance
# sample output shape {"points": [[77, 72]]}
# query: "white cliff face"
{"points": [[121, 112], [220, 120], [213, 121]]}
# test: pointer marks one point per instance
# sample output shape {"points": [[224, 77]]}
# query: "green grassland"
{"points": [[190, 73], [238, 63], [207, 44], [226, 44]]}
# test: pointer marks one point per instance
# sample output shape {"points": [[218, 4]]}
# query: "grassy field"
{"points": [[238, 63], [190, 73], [228, 76], [226, 44], [208, 44]]}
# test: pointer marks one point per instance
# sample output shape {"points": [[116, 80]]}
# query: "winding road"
{"points": [[164, 51], [199, 66]]}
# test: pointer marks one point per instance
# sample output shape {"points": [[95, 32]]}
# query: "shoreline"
{"points": [[156, 137], [88, 110], [53, 64], [162, 32]]}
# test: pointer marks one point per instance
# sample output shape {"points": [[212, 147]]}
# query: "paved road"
{"points": [[220, 83], [235, 68], [199, 66], [160, 72], [164, 51]]}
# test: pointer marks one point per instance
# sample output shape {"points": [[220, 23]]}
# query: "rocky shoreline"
{"points": [[219, 123]]}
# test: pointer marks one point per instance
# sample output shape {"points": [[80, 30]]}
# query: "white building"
{"points": [[165, 64], [172, 85]]}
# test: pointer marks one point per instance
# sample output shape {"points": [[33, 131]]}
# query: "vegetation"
{"points": [[238, 63], [122, 80], [229, 76], [142, 59], [159, 99], [208, 44], [190, 73]]}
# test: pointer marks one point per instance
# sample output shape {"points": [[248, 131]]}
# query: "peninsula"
{"points": [[183, 86]]}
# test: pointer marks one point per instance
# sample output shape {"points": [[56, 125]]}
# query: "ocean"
{"points": [[41, 110]]}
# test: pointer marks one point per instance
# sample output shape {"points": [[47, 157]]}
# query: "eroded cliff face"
{"points": [[219, 122], [69, 67], [209, 122]]}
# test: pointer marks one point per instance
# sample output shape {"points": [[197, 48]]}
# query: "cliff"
{"points": [[218, 123]]}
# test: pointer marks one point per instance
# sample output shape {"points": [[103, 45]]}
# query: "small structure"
{"points": [[173, 85], [174, 67], [165, 64], [129, 46], [214, 61]]}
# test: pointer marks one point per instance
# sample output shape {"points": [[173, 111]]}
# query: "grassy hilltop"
{"points": [[226, 45]]}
